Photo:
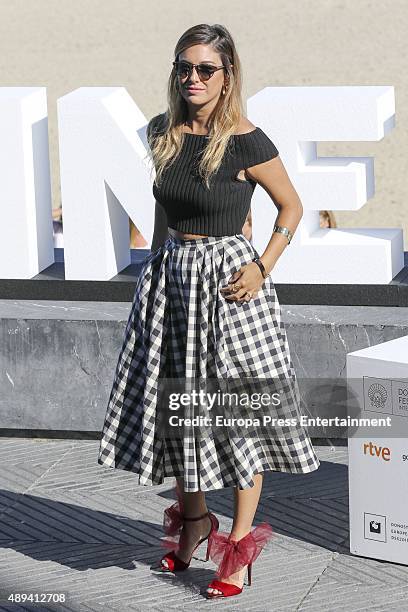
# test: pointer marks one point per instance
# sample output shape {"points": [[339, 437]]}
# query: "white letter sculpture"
{"points": [[295, 118], [105, 179]]}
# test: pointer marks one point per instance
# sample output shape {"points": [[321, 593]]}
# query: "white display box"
{"points": [[377, 377]]}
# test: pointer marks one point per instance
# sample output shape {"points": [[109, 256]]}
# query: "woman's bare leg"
{"points": [[245, 505], [194, 504]]}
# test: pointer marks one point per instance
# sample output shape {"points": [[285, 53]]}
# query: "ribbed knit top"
{"points": [[221, 210]]}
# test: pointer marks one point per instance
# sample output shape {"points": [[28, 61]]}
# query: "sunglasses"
{"points": [[205, 71]]}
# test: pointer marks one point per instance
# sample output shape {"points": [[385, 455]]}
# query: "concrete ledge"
{"points": [[58, 358]]}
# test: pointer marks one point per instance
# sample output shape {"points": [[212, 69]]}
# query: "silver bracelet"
{"points": [[283, 230]]}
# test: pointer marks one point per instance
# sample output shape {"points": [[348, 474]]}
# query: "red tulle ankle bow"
{"points": [[233, 555], [172, 523]]}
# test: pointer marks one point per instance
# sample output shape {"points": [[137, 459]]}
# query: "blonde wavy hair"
{"points": [[167, 137]]}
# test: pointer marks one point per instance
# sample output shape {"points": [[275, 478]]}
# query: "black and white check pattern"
{"points": [[181, 326]]}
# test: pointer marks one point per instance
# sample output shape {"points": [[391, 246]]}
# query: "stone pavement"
{"points": [[70, 526]]}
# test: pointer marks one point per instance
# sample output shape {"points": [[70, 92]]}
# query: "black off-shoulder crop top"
{"points": [[221, 210]]}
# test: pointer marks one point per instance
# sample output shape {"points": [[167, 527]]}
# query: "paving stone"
{"points": [[68, 525]]}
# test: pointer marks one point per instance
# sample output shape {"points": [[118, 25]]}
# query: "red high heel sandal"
{"points": [[233, 555], [172, 523]]}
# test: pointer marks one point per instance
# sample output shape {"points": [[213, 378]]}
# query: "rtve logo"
{"points": [[383, 452]]}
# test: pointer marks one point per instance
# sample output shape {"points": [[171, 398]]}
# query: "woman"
{"points": [[205, 308]]}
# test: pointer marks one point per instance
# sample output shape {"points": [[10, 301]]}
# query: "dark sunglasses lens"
{"points": [[183, 70], [205, 72]]}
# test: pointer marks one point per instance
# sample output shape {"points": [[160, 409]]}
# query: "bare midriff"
{"points": [[184, 236]]}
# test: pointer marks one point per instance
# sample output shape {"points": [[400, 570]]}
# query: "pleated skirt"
{"points": [[181, 326]]}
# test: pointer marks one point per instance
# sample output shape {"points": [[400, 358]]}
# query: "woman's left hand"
{"points": [[247, 281]]}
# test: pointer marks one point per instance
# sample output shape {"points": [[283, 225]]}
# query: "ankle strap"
{"points": [[196, 518]]}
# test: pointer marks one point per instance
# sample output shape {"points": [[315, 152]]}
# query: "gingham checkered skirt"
{"points": [[180, 325]]}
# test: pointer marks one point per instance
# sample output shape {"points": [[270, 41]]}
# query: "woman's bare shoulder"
{"points": [[245, 126]]}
